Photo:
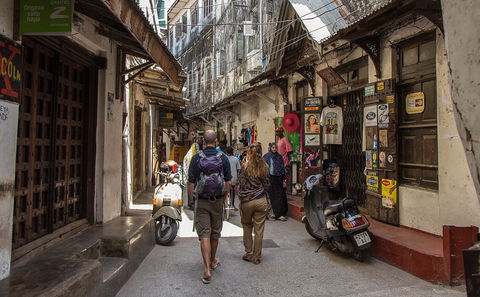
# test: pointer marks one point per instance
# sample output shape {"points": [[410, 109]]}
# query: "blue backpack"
{"points": [[211, 183]]}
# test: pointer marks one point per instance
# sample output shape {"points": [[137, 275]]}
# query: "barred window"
{"points": [[194, 14]]}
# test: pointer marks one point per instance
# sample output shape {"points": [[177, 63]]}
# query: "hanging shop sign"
{"points": [[46, 17], [415, 103], [312, 103], [370, 115], [11, 66], [389, 193], [165, 119]]}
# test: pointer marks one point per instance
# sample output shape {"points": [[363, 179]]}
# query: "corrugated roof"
{"points": [[324, 18]]}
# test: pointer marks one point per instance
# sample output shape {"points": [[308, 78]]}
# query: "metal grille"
{"points": [[49, 146], [350, 155]]}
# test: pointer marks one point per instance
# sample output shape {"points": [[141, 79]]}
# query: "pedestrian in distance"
{"points": [[253, 183], [276, 191], [234, 169], [209, 178]]}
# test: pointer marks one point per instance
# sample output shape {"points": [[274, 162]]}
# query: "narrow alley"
{"points": [[290, 267]]}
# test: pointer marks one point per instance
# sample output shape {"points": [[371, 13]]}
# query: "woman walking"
{"points": [[252, 184], [276, 191]]}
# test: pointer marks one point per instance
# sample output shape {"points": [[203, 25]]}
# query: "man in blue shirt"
{"points": [[209, 210]]}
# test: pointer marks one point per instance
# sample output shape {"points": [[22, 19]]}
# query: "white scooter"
{"points": [[167, 203]]}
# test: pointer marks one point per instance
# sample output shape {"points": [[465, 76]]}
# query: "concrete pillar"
{"points": [[8, 146]]}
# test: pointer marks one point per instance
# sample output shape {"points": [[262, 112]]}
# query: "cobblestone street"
{"points": [[290, 267]]}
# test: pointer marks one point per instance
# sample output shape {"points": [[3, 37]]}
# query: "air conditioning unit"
{"points": [[254, 60], [248, 28]]}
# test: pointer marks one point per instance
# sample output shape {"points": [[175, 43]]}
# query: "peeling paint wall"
{"points": [[8, 147], [461, 23]]}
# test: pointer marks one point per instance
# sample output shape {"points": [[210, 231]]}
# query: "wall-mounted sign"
{"points": [[380, 86], [372, 183], [166, 115], [312, 103], [383, 116], [415, 103], [370, 90], [166, 123], [10, 70], [312, 139], [370, 115], [389, 193], [46, 17]]}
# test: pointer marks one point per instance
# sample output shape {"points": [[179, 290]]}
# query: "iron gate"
{"points": [[48, 183], [350, 155]]}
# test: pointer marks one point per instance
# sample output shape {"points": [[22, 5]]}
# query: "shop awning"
{"points": [[324, 18], [123, 21], [159, 90]]}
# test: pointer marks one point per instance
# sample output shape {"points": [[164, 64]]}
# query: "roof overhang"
{"points": [[176, 7], [124, 21], [159, 90]]}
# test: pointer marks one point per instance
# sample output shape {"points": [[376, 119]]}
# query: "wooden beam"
{"points": [[265, 97], [138, 73], [217, 119], [136, 23], [126, 71]]}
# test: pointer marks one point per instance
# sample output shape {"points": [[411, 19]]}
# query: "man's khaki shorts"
{"points": [[209, 219]]}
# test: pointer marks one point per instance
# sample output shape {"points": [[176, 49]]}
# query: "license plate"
{"points": [[362, 238]]}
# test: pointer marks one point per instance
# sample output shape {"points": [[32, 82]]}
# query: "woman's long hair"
{"points": [[256, 166]]}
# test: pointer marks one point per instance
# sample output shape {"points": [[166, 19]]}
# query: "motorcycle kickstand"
{"points": [[321, 244]]}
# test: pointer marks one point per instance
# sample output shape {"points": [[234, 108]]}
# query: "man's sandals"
{"points": [[213, 266]]}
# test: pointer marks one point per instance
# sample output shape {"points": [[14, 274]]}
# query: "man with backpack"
{"points": [[209, 178]]}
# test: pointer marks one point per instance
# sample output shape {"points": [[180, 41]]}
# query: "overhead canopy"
{"points": [[324, 18], [123, 21], [159, 90]]}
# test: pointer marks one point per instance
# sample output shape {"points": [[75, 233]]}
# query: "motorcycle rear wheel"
{"points": [[360, 255], [166, 236]]}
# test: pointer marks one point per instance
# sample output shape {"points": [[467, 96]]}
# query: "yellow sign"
{"points": [[389, 193], [380, 86], [390, 99], [415, 103]]}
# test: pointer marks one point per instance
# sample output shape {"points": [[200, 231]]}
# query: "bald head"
{"points": [[210, 137]]}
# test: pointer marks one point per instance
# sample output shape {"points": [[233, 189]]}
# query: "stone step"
{"points": [[111, 267], [295, 209]]}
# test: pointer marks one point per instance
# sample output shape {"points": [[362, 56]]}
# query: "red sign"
{"points": [[10, 70]]}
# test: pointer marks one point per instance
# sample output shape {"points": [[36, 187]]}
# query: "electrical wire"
{"points": [[285, 45]]}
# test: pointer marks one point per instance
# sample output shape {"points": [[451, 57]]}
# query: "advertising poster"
{"points": [[374, 160], [389, 193], [11, 67], [383, 138], [415, 103], [370, 115], [312, 103], [383, 116], [312, 123], [368, 159], [46, 17], [312, 139], [382, 160], [372, 183]]}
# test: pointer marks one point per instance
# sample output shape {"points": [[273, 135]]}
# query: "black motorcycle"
{"points": [[336, 222]]}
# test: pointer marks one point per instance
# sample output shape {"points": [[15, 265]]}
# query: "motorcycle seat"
{"points": [[335, 206]]}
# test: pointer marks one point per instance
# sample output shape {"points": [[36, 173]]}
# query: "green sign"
{"points": [[46, 17]]}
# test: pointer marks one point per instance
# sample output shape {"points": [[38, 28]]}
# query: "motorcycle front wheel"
{"points": [[309, 230], [169, 232]]}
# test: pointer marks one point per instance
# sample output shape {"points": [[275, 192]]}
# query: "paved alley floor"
{"points": [[290, 267]]}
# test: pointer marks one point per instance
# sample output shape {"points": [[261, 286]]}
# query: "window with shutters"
{"points": [[184, 23], [418, 151], [194, 14], [207, 7], [178, 30]]}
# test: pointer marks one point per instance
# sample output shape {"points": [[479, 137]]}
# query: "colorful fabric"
{"points": [[284, 147]]}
